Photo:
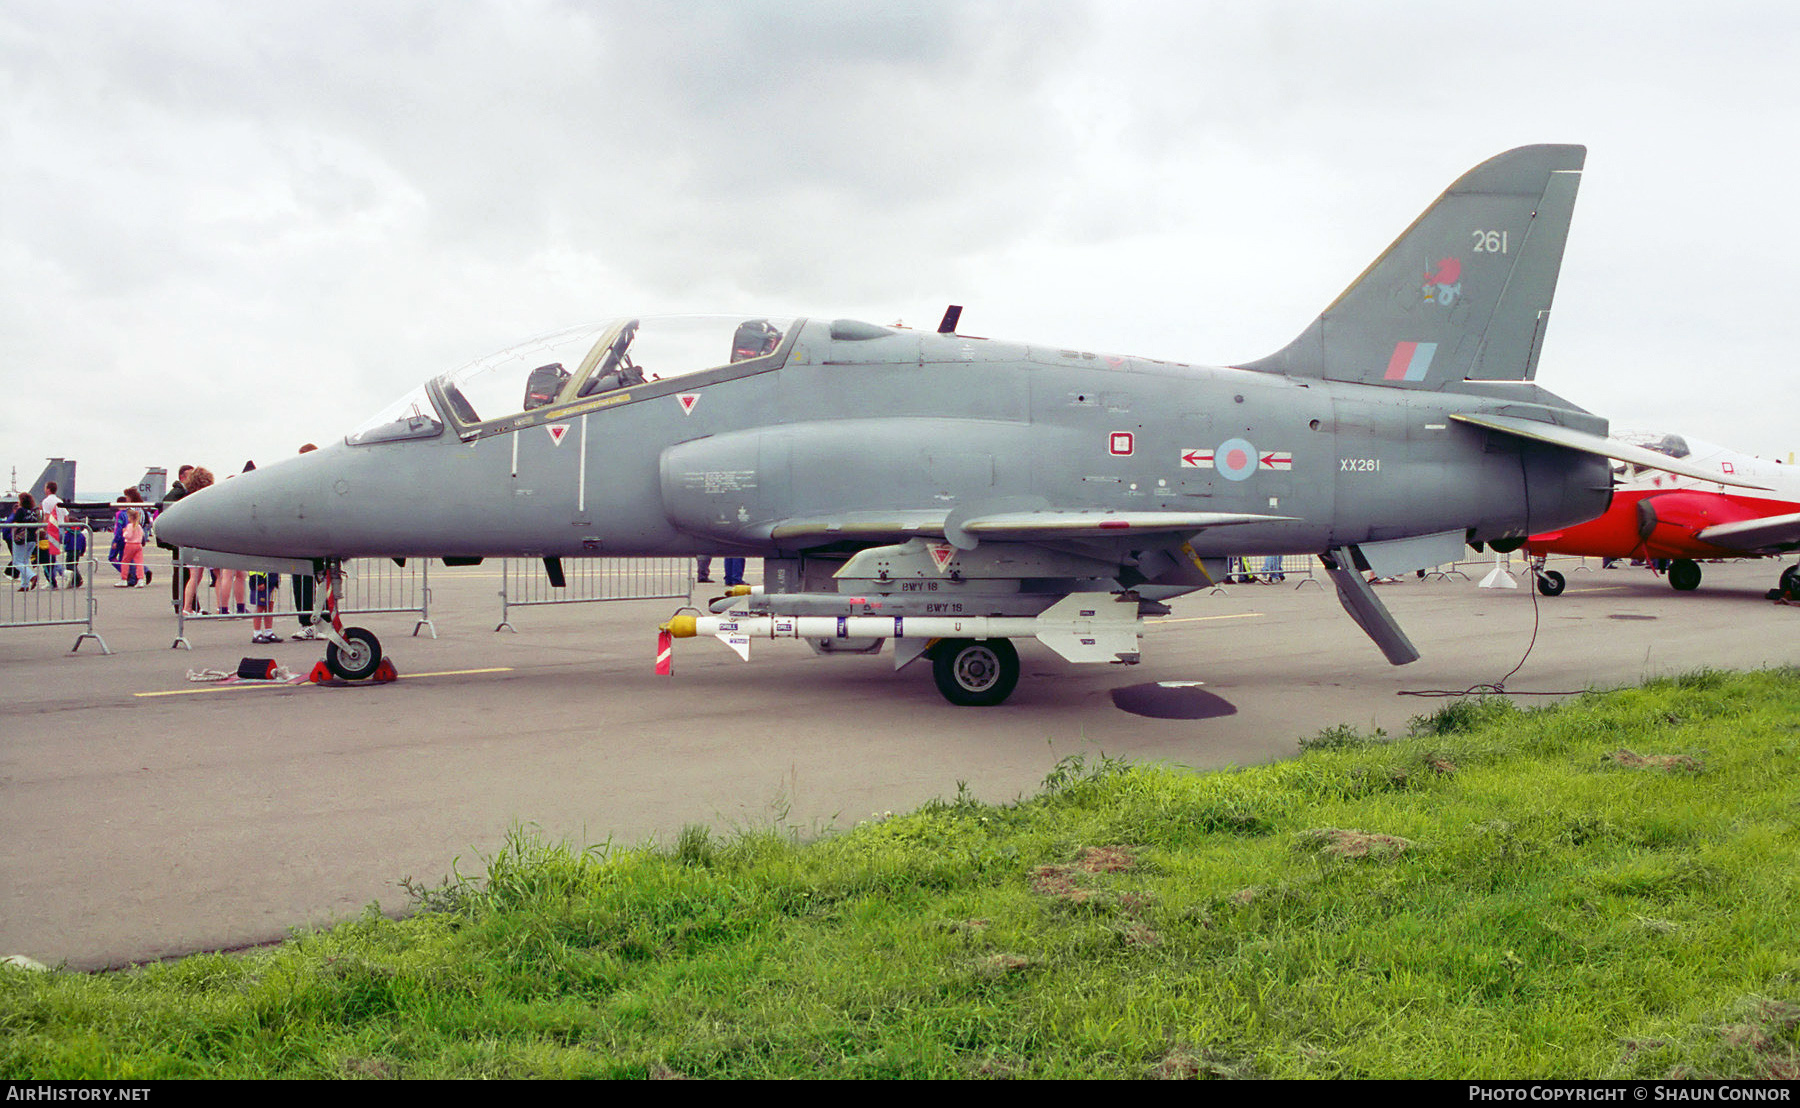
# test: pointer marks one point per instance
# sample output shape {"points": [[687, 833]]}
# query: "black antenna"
{"points": [[951, 315]]}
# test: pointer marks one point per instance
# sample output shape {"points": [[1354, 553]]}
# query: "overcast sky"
{"points": [[228, 228]]}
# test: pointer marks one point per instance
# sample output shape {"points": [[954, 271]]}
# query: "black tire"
{"points": [[975, 674], [360, 661], [1789, 585], [1551, 583], [1684, 575]]}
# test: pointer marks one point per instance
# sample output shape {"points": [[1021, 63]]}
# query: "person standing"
{"points": [[128, 500], [198, 477], [176, 492], [134, 573], [50, 540], [25, 540], [264, 588]]}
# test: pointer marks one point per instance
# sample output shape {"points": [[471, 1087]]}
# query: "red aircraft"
{"points": [[1660, 517]]}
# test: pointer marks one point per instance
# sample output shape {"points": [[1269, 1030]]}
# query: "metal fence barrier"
{"points": [[369, 585], [525, 582], [1255, 570], [56, 593]]}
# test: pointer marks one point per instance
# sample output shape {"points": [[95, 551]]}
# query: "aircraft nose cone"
{"points": [[203, 519], [261, 512]]}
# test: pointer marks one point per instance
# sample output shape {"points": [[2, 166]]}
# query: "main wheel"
{"points": [[357, 663], [1551, 583], [975, 674], [1790, 583], [1684, 575]]}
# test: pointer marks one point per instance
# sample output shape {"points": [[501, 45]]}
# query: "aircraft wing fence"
{"points": [[47, 586], [526, 582]]}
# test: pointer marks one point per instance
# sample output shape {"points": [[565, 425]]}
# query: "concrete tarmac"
{"points": [[143, 815]]}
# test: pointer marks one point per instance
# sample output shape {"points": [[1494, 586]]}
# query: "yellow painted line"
{"points": [[1203, 619], [458, 672], [211, 688], [223, 688]]}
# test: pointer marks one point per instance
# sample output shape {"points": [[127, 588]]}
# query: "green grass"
{"points": [[1601, 889]]}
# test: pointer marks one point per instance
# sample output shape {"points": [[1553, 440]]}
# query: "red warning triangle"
{"points": [[688, 400], [941, 553], [557, 431]]}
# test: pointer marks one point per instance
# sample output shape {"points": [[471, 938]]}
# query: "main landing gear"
{"points": [[975, 673], [1684, 575]]}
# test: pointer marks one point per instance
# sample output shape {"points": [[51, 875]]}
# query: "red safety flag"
{"points": [[665, 654]]}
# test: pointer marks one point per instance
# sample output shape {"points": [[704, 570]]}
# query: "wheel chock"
{"points": [[384, 673]]}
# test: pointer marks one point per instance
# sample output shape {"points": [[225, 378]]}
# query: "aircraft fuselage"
{"points": [[885, 438]]}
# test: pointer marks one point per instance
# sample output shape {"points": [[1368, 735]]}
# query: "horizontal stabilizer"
{"points": [[1570, 439], [1397, 556], [1770, 535]]}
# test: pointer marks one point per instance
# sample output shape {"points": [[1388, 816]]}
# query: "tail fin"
{"points": [[60, 470], [153, 485], [1464, 294]]}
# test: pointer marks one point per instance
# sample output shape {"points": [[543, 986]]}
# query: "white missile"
{"points": [[1082, 627]]}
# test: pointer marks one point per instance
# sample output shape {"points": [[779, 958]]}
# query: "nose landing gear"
{"points": [[351, 653]]}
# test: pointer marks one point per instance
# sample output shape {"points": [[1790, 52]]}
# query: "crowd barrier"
{"points": [[376, 585], [369, 585], [1301, 569], [526, 582], [58, 593]]}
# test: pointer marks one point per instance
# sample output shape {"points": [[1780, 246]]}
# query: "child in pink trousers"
{"points": [[131, 562]]}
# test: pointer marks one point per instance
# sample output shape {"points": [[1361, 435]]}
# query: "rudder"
{"points": [[1464, 293]]}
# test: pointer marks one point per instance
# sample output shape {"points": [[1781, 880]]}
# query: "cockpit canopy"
{"points": [[577, 370]]}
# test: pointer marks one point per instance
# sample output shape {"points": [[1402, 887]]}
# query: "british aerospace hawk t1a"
{"points": [[950, 493]]}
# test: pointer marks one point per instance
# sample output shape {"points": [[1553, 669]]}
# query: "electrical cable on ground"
{"points": [[1498, 688]]}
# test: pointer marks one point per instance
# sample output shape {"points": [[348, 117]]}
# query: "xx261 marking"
{"points": [[1359, 465]]}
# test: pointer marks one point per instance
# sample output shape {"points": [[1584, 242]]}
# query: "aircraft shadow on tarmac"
{"points": [[1171, 700]]}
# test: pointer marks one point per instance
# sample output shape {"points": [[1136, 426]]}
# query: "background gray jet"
{"points": [[950, 492]]}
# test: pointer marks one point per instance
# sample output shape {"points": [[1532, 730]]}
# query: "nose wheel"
{"points": [[358, 658]]}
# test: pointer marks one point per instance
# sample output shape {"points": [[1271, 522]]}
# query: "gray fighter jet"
{"points": [[950, 493]]}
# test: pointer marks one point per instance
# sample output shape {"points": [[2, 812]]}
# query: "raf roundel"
{"points": [[1236, 459]]}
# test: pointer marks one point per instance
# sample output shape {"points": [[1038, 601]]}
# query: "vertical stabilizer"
{"points": [[60, 470], [1464, 293]]}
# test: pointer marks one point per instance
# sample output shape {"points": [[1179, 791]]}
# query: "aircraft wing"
{"points": [[1570, 439], [1045, 525], [1038, 525], [897, 526], [1769, 535]]}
